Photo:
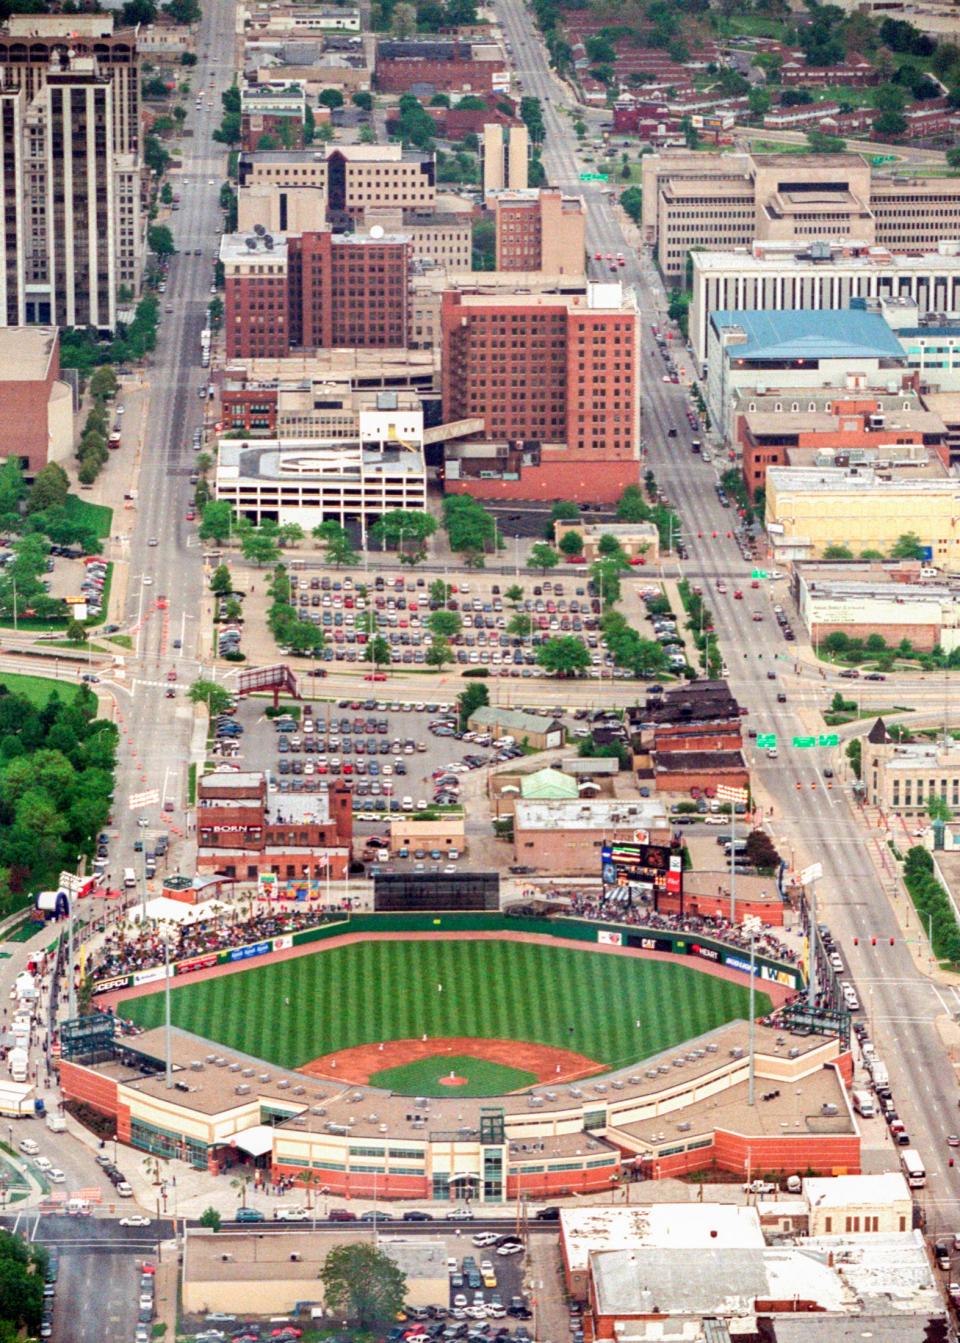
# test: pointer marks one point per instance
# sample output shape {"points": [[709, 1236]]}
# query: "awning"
{"points": [[256, 1141], [464, 1175]]}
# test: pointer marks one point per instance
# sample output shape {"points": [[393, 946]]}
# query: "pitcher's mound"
{"points": [[452, 1080]]}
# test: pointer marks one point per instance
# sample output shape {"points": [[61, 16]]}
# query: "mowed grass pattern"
{"points": [[387, 990], [425, 1077]]}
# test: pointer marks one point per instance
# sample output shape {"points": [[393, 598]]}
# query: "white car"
{"points": [[135, 1219], [715, 820], [505, 1250], [29, 1147], [56, 1176], [483, 1238], [291, 1215], [43, 1163]]}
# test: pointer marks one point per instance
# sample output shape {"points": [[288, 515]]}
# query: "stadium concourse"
{"points": [[680, 1104]]}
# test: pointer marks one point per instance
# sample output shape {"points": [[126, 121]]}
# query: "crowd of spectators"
{"points": [[124, 952], [623, 908]]}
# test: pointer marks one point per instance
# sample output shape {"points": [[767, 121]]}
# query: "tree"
{"points": [[220, 581], [438, 653], [605, 575], [160, 240], [444, 624], [759, 100], [514, 593], [103, 383], [363, 100], [520, 625], [260, 548], [571, 543], [210, 1218], [77, 632], [761, 851], [183, 11], [50, 488], [819, 142], [218, 521], [377, 651], [892, 124], [632, 507], [440, 592], [610, 547], [906, 547], [542, 557], [363, 1284], [565, 656], [632, 201], [838, 552], [331, 98], [289, 533], [404, 529], [939, 811], [476, 696], [214, 696]]}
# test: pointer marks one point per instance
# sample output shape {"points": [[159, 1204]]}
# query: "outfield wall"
{"points": [[713, 950]]}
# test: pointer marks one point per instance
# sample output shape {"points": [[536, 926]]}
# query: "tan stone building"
{"points": [[697, 200], [446, 833], [902, 777], [640, 540], [859, 1205], [353, 177], [809, 510], [539, 230], [505, 152]]}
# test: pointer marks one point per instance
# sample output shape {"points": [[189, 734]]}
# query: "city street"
{"points": [[816, 824]]}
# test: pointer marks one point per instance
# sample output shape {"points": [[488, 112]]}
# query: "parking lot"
{"points": [[499, 629]]}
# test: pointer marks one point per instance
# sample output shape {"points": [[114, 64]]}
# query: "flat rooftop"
{"points": [[26, 351], [824, 422], [691, 1226], [598, 814], [212, 1089], [785, 258], [842, 1191], [836, 480], [233, 247], [795, 1112], [291, 461], [242, 1256]]}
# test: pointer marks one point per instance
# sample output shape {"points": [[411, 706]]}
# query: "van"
{"points": [[249, 1215], [863, 1104], [129, 878]]}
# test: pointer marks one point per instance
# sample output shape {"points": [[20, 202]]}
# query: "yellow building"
{"points": [[810, 510]]}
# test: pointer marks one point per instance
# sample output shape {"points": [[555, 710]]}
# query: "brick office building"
{"points": [[241, 832], [314, 290], [440, 64], [539, 230], [554, 376]]}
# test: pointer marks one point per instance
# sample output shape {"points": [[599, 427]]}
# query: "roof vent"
{"points": [[284, 1083], [264, 1077], [251, 244], [220, 1062], [243, 1089], [196, 1066], [234, 1068]]}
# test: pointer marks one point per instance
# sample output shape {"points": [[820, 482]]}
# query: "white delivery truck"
{"points": [[16, 1100], [19, 1063], [56, 1123], [864, 1104]]}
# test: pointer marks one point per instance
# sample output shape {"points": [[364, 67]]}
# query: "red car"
{"points": [[171, 675], [191, 514], [375, 676]]}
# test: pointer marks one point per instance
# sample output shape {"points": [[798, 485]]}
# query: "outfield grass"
{"points": [[296, 1010], [424, 1077], [38, 689]]}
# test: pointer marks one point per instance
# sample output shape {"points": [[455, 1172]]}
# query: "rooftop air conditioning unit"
{"points": [[242, 1090]]}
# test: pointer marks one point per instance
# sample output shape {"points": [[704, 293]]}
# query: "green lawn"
{"points": [[37, 689], [424, 1078], [372, 991], [97, 517]]}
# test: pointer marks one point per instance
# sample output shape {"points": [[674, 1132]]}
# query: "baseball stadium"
{"points": [[469, 1056]]}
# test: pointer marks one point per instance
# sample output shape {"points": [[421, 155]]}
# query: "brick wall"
{"points": [[557, 477], [24, 404], [675, 781], [923, 637], [466, 76], [89, 1087]]}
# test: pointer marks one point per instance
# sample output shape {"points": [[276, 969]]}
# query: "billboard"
{"points": [[648, 869], [410, 892]]}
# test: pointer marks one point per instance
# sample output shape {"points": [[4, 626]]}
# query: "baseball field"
{"points": [[605, 1011]]}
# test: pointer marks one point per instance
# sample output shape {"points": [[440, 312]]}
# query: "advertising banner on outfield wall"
{"points": [[109, 985], [650, 943], [608, 939], [149, 976], [283, 943], [197, 963], [244, 953]]}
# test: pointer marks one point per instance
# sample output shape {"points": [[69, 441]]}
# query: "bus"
{"points": [[913, 1168]]}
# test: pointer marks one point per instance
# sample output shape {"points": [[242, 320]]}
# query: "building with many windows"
{"points": [[314, 290], [70, 169], [796, 275], [724, 201], [553, 378], [904, 776], [353, 178], [539, 229]]}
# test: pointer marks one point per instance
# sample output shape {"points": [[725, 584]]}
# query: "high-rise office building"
{"points": [[70, 169], [315, 290], [555, 375], [505, 152]]}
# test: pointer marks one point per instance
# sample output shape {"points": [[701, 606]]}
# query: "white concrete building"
{"points": [[796, 275], [859, 1204]]}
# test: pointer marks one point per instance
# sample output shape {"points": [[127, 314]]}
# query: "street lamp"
{"points": [[751, 926]]}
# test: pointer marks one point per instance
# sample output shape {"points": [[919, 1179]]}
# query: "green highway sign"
{"points": [[594, 177], [767, 741], [877, 159], [831, 739], [804, 742], [826, 739], [759, 573]]}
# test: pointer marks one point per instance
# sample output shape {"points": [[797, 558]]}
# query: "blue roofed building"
{"points": [[803, 348]]}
